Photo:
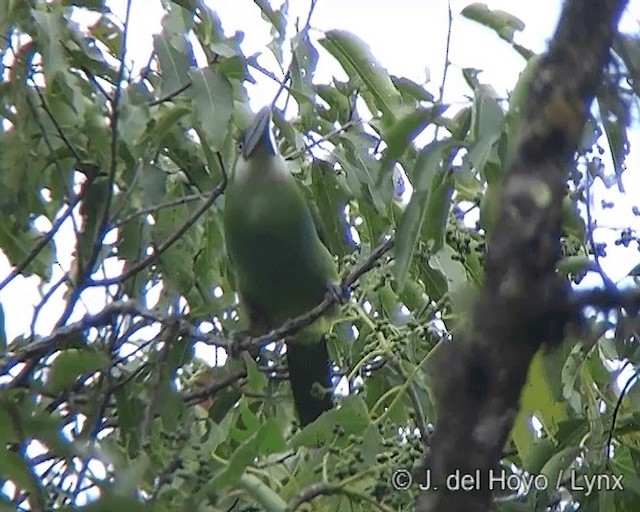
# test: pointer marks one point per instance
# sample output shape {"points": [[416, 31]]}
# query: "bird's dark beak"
{"points": [[259, 134]]}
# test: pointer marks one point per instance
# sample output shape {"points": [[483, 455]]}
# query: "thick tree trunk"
{"points": [[523, 304]]}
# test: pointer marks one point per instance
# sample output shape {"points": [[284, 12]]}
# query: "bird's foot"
{"points": [[237, 346], [336, 293]]}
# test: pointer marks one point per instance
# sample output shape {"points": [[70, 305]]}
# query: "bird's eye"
{"points": [[240, 146]]}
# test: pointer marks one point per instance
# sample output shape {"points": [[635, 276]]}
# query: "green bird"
{"points": [[282, 268]]}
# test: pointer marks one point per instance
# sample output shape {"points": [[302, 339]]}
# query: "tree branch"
{"points": [[87, 266], [46, 238], [294, 325], [65, 336], [523, 303], [148, 260]]}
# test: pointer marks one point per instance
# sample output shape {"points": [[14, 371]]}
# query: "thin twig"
{"points": [[44, 300], [632, 380], [170, 96], [46, 238], [58, 128], [148, 260], [311, 492], [152, 209], [63, 337], [45, 138], [195, 397], [605, 299], [87, 266], [298, 152], [103, 398], [93, 79], [254, 64], [608, 283], [156, 380], [447, 62]]}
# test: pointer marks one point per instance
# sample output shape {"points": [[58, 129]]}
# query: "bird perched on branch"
{"points": [[281, 266]]}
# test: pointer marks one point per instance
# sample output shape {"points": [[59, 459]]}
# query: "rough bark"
{"points": [[523, 304]]}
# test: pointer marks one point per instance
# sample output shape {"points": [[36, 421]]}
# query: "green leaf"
{"points": [[130, 409], [539, 454], [614, 116], [71, 364], [171, 405], [174, 62], [212, 100], [129, 477], [18, 245], [278, 20], [256, 379], [517, 102], [539, 398], [273, 441], [487, 125], [15, 468], [134, 117], [235, 68], [269, 499], [179, 277], [503, 23], [445, 261], [435, 282], [575, 265], [437, 212], [241, 458], [410, 89], [339, 103], [352, 416], [402, 132], [432, 193], [331, 194], [572, 221], [108, 33], [303, 67], [356, 59], [371, 443], [167, 119], [275, 17], [627, 46], [559, 463], [153, 185], [91, 211], [52, 31]]}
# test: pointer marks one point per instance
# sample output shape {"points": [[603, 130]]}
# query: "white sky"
{"points": [[406, 36]]}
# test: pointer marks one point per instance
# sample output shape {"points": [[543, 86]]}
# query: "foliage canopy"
{"points": [[111, 405]]}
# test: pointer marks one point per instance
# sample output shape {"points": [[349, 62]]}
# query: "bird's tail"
{"points": [[309, 363]]}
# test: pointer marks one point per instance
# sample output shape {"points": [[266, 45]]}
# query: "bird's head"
{"points": [[258, 140], [258, 152]]}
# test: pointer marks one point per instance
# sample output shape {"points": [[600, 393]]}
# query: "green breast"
{"points": [[281, 265]]}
